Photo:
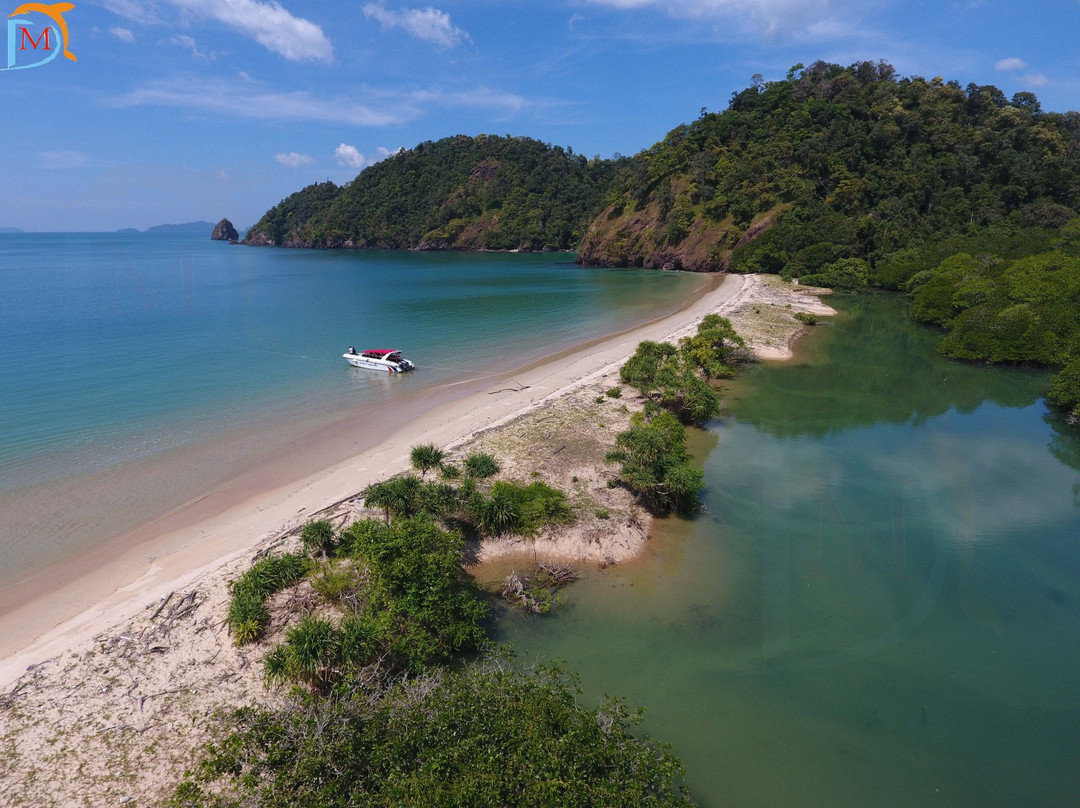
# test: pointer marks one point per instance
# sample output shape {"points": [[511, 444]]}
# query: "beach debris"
{"points": [[539, 592], [557, 574], [515, 591]]}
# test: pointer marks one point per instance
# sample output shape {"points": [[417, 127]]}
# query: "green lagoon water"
{"points": [[880, 605]]}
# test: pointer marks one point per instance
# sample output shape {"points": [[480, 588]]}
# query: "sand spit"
{"points": [[111, 706]]}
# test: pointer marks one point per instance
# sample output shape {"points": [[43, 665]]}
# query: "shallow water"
{"points": [[138, 371], [881, 603]]}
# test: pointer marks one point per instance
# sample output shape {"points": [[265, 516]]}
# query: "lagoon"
{"points": [[880, 604]]}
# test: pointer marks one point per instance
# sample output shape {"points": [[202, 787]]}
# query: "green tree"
{"points": [[426, 457], [318, 536], [655, 465], [486, 737], [398, 496]]}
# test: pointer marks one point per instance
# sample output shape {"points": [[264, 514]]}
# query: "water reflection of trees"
{"points": [[872, 365], [1065, 445]]}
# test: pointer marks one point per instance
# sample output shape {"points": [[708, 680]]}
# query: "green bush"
{"points": [[480, 466], [846, 275], [310, 654], [248, 616], [655, 464], [418, 591], [426, 457], [318, 537], [338, 581], [1065, 389], [487, 737]]}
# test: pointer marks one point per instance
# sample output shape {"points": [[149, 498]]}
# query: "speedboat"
{"points": [[385, 359]]}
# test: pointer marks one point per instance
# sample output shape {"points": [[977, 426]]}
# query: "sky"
{"points": [[185, 110]]}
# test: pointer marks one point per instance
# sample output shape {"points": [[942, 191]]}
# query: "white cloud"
{"points": [[185, 41], [1010, 64], [268, 23], [252, 101], [477, 98], [428, 24], [144, 13], [364, 107], [62, 159], [349, 156], [124, 34], [811, 19], [227, 99], [294, 159], [1035, 80]]}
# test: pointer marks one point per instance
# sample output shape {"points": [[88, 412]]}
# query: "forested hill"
{"points": [[459, 193], [838, 162]]}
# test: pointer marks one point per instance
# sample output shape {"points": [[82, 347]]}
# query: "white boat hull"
{"points": [[369, 363]]}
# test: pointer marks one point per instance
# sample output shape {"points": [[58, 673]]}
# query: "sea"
{"points": [[138, 371]]}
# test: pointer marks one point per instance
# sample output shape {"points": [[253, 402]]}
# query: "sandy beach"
{"points": [[99, 626]]}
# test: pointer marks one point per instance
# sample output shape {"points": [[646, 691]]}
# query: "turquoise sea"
{"points": [[879, 606], [138, 371]]}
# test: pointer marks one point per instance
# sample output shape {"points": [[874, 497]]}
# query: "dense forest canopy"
{"points": [[834, 163], [465, 193]]}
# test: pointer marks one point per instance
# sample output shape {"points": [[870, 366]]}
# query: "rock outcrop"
{"points": [[224, 231]]}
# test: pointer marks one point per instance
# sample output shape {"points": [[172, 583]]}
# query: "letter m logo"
{"points": [[24, 35]]}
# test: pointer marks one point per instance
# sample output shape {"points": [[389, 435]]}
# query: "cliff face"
{"points": [[669, 231], [224, 231]]}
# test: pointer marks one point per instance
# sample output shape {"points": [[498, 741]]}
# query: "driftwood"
{"points": [[153, 639], [557, 574], [165, 600], [515, 591], [538, 593]]}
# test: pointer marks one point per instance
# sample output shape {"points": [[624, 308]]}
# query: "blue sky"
{"points": [[179, 110]]}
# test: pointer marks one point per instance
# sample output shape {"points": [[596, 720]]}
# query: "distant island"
{"points": [[195, 228], [189, 227], [11, 230]]}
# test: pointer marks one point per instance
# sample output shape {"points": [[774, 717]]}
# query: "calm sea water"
{"points": [[881, 604], [137, 371]]}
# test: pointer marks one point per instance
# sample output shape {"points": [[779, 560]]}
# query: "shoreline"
{"points": [[143, 673], [63, 604]]}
